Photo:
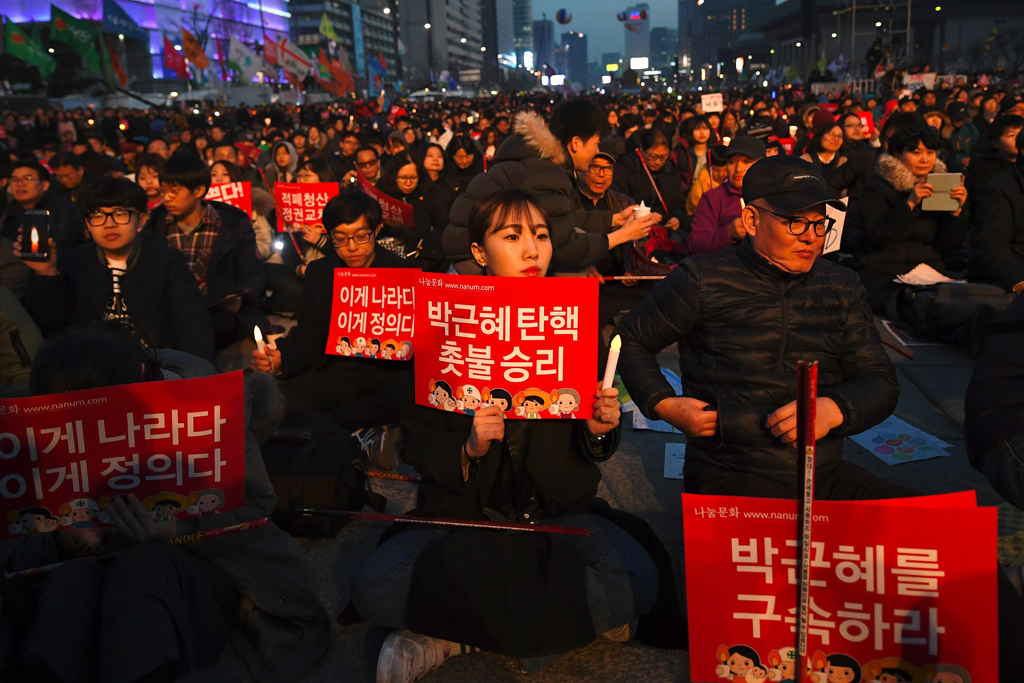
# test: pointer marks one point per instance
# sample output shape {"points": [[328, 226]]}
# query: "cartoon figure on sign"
{"points": [[567, 403], [498, 397], [344, 347], [372, 348], [736, 662], [206, 502], [949, 673], [891, 670], [756, 674], [166, 506], [441, 396], [32, 520], [469, 399], [390, 347], [835, 668], [532, 402], [360, 348], [79, 513], [894, 676], [783, 661], [404, 351]]}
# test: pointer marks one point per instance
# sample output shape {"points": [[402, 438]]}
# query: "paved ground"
{"points": [[932, 398]]}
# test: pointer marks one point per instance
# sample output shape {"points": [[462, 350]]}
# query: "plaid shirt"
{"points": [[196, 245]]}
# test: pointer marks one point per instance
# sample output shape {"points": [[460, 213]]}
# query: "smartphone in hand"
{"points": [[35, 236]]}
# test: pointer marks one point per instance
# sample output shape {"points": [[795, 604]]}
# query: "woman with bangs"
{"points": [[486, 468]]}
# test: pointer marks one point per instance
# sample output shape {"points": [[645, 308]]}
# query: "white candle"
{"points": [[792, 131], [259, 340], [613, 361]]}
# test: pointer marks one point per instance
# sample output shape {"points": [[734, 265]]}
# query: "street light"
{"points": [[463, 40], [387, 10], [878, 24], [833, 35], [427, 25], [798, 44], [483, 48]]}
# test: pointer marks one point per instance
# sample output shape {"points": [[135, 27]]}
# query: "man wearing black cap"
{"points": [[965, 133], [742, 318], [716, 223]]}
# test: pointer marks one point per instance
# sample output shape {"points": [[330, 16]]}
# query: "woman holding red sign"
{"points": [[485, 467]]}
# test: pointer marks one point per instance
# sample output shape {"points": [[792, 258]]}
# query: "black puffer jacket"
{"points": [[534, 161], [741, 325], [896, 237], [632, 180], [999, 240]]}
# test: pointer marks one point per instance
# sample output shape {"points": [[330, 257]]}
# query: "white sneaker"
{"points": [[408, 656]]}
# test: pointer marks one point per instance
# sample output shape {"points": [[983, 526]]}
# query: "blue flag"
{"points": [[116, 20]]}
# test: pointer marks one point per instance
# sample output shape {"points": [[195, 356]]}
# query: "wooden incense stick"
{"points": [[467, 523], [806, 404]]}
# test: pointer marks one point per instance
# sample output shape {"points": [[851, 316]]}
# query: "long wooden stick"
{"points": [[633, 277], [468, 523], [806, 404]]}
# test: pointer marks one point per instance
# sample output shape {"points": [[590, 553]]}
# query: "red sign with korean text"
{"points": [[372, 314], [303, 203], [868, 122], [179, 446], [238, 195], [788, 144], [896, 586], [526, 344], [395, 212]]}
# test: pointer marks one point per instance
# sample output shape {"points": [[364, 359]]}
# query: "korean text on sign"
{"points": [[907, 584], [394, 211], [303, 203], [524, 344], [372, 314], [179, 446], [238, 195]]}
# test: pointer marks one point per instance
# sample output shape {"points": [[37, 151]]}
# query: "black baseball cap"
{"points": [[748, 146], [787, 184], [957, 111]]}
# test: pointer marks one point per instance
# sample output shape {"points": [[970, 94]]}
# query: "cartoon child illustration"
{"points": [[441, 396], [166, 506], [757, 673], [498, 397], [390, 347], [894, 676], [79, 513], [344, 347], [566, 404], [532, 402], [835, 668], [469, 399], [206, 502], [359, 350], [373, 348], [736, 662], [783, 661], [404, 351], [32, 520], [891, 670], [950, 673]]}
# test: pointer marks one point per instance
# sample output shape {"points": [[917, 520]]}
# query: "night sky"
{"points": [[596, 18]]}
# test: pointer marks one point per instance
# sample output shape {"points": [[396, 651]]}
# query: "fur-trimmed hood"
{"points": [[892, 171], [532, 139]]}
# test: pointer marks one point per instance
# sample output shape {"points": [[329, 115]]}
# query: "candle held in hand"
{"points": [[613, 361], [260, 344], [35, 241]]}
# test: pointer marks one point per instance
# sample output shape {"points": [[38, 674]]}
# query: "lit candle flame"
{"points": [[35, 241], [260, 344]]}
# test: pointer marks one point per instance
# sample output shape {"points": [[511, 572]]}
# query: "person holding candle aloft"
{"points": [[30, 190], [486, 467]]}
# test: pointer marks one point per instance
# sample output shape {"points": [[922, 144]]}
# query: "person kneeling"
{"points": [[496, 584]]}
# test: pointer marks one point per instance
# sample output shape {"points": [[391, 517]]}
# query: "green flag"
{"points": [[78, 34], [25, 49], [326, 29], [108, 71]]}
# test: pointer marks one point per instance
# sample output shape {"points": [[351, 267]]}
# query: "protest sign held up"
{"points": [[519, 343], [395, 212], [302, 203], [372, 313], [178, 446], [238, 195]]}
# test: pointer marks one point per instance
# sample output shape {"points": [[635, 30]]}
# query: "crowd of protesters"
{"points": [[144, 271]]}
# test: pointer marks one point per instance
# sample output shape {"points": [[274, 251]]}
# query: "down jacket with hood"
{"points": [[741, 324], [999, 240], [273, 171], [534, 161], [896, 238]]}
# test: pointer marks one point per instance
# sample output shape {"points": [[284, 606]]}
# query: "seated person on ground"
{"points": [[716, 223], [30, 191], [999, 239], [120, 276], [742, 318], [486, 467]]}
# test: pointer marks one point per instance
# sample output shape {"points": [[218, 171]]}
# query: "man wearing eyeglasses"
{"points": [[30, 189], [320, 389], [120, 276], [368, 164], [742, 318]]}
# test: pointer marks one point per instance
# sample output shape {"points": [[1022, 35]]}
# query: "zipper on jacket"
{"points": [[785, 326]]}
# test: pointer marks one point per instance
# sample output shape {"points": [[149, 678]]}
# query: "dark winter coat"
{"points": [[994, 405], [999, 238], [160, 293], [632, 180], [895, 237], [534, 161], [741, 325], [66, 225]]}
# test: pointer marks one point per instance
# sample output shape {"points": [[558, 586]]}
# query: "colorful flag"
{"points": [[377, 74], [116, 76], [293, 59], [76, 33], [270, 50], [116, 20], [326, 29], [193, 51], [174, 61], [21, 46], [243, 60]]}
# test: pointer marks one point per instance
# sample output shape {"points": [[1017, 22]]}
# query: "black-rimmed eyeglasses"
{"points": [[798, 225]]}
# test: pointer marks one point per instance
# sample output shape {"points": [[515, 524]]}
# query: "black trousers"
{"points": [[615, 298], [880, 287], [352, 397]]}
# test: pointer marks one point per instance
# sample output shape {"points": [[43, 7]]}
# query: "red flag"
{"points": [[174, 61], [380, 57], [269, 50], [115, 61]]}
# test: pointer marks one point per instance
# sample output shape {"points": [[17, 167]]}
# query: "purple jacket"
{"points": [[709, 232]]}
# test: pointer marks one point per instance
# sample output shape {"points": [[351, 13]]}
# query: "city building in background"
{"points": [[543, 44], [443, 42], [497, 25], [522, 25], [363, 32], [638, 31], [664, 47], [574, 57], [684, 49]]}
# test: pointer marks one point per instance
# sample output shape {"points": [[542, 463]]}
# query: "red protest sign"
{"points": [[788, 144], [238, 195], [303, 203], [177, 445], [526, 344], [868, 122], [907, 584], [372, 313], [395, 212]]}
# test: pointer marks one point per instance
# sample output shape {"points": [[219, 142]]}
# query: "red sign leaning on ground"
{"points": [[372, 313], [238, 195], [179, 446], [395, 212], [303, 203], [526, 344], [904, 584]]}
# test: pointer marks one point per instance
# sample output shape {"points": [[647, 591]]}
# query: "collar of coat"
{"points": [[892, 171], [133, 256], [536, 135]]}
